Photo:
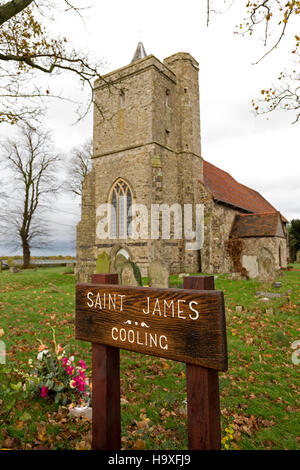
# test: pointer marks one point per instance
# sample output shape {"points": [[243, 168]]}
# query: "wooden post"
{"points": [[203, 401], [106, 388]]}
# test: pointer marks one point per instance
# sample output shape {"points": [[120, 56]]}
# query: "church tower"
{"points": [[146, 151]]}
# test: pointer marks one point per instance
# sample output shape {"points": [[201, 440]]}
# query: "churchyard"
{"points": [[259, 393]]}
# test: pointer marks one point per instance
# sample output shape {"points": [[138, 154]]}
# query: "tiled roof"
{"points": [[226, 189], [257, 225]]}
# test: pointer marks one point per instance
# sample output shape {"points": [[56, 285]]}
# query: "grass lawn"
{"points": [[259, 393]]}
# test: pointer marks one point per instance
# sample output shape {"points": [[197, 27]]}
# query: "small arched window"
{"points": [[121, 202], [167, 97]]}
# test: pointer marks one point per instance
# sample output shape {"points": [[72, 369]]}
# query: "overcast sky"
{"points": [[261, 152]]}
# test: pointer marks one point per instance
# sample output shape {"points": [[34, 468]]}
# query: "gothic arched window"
{"points": [[121, 201]]}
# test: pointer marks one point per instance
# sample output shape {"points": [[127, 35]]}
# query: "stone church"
{"points": [[147, 150]]}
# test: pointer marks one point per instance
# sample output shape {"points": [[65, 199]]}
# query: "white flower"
{"points": [[72, 383], [41, 354]]}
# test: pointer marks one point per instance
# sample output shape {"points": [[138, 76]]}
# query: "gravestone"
{"points": [[103, 263], [14, 269], [119, 262], [266, 265], [158, 273], [127, 275], [270, 295]]}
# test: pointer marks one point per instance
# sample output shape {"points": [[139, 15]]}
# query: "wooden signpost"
{"points": [[186, 325]]}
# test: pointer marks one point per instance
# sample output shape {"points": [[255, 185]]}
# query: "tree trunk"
{"points": [[26, 254]]}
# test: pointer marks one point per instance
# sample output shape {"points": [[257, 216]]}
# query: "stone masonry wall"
{"points": [[218, 220], [253, 247], [147, 132], [85, 245]]}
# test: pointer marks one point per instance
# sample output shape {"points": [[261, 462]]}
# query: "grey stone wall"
{"points": [[275, 245], [148, 133]]}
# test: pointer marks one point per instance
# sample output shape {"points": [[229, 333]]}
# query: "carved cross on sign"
{"points": [[180, 324]]}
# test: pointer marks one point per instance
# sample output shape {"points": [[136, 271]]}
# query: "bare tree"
{"points": [[79, 166], [274, 20], [31, 166], [27, 50]]}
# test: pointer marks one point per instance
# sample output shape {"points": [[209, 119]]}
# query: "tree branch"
{"points": [[12, 8]]}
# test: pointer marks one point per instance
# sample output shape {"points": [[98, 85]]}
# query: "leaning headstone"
{"points": [[103, 263], [119, 262], [127, 275], [158, 273]]}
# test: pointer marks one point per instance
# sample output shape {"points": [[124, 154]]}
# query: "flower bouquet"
{"points": [[57, 376]]}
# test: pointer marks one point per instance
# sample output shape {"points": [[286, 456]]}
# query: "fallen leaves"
{"points": [[85, 443], [139, 445], [10, 443], [248, 424], [153, 390]]}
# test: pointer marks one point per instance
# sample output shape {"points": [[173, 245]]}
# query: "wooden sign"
{"points": [[185, 325]]}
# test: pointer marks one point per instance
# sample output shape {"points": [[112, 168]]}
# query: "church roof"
{"points": [[225, 188], [257, 225], [140, 52]]}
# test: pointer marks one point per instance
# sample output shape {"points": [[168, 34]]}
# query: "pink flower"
{"points": [[81, 387], [65, 361], [82, 364], [44, 392], [59, 349], [70, 370], [80, 383]]}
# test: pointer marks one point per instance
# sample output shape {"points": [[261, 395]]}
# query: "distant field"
{"points": [[41, 262], [259, 393]]}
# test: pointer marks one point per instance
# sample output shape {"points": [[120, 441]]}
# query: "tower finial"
{"points": [[140, 52]]}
